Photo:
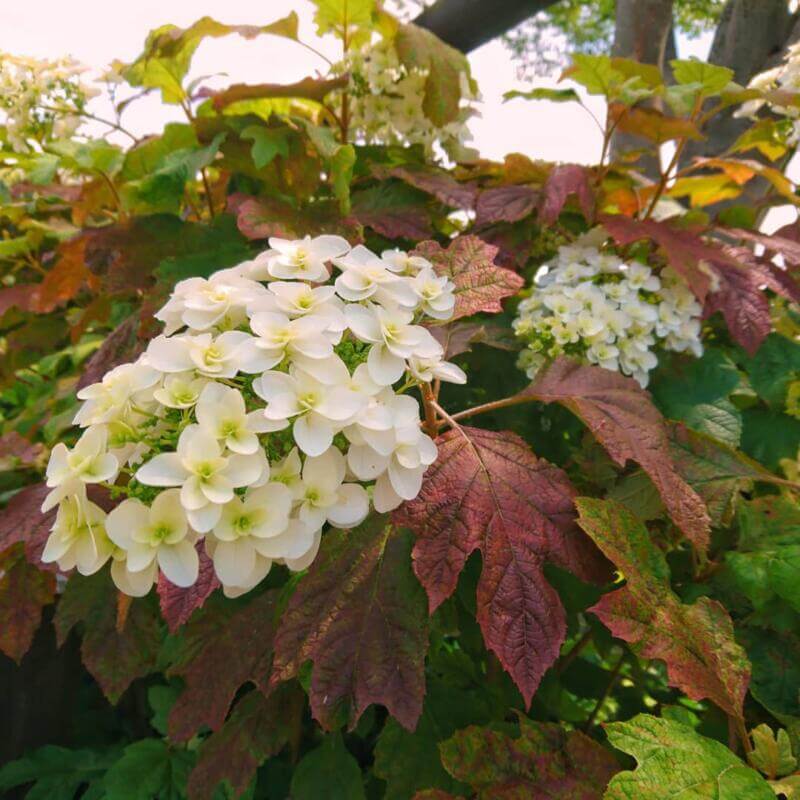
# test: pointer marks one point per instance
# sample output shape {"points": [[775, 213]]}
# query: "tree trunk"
{"points": [[644, 32], [750, 37], [467, 24]]}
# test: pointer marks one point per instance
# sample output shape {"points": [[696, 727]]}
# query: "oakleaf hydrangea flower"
{"points": [[591, 305], [276, 403]]}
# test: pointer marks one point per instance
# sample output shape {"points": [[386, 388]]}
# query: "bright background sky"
{"points": [[98, 31]]}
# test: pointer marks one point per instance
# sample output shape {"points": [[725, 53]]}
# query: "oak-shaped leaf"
{"points": [[16, 451], [436, 182], [487, 491], [717, 473], [443, 66], [394, 210], [24, 591], [624, 420], [743, 304], [695, 641], [177, 603], [125, 343], [505, 204], [673, 755], [652, 124], [359, 615], [23, 521], [686, 252], [66, 277], [543, 761], [765, 566], [114, 657], [564, 181], [223, 647], [259, 727], [468, 261]]}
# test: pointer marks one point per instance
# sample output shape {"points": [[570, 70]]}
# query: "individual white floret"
{"points": [[158, 534], [304, 259]]}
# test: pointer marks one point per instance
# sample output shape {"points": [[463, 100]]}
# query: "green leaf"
{"points": [[542, 93], [162, 190], [267, 143], [168, 52], [599, 75], [350, 20], [330, 772], [114, 657], [149, 769], [695, 641], [543, 761], [708, 79], [776, 671], [771, 754], [697, 391], [773, 368], [715, 471], [57, 773], [418, 48], [92, 156], [672, 755], [339, 159], [768, 436], [409, 761], [767, 562]]}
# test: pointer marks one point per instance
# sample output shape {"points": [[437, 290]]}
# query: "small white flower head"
{"points": [[68, 471], [305, 259], [159, 534], [595, 306], [78, 539], [307, 368]]}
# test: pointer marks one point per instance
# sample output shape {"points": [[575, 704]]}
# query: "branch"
{"points": [[467, 24]]}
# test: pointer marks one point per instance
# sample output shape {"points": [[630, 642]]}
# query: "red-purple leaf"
{"points": [[564, 181], [123, 344], [624, 420], [436, 182], [23, 521], [469, 263], [359, 615], [544, 761], [743, 304], [310, 88], [224, 647], [776, 243], [24, 591], [393, 210], [695, 641], [259, 727], [684, 250], [459, 337], [178, 604], [114, 657], [505, 204], [487, 491], [17, 451]]}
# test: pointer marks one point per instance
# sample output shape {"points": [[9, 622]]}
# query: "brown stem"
{"points": [[207, 188], [615, 675], [514, 400], [575, 651], [741, 731], [431, 425], [662, 183]]}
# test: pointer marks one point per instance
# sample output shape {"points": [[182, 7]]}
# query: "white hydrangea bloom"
{"points": [[385, 106], [592, 305], [274, 405]]}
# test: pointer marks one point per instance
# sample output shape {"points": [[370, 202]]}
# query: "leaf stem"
{"points": [[505, 402], [615, 676]]}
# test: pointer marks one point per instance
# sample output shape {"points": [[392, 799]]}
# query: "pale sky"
{"points": [[97, 31]]}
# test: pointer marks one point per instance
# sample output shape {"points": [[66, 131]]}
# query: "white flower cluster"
{"points": [[592, 305], [783, 79], [269, 407], [386, 103], [41, 99]]}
